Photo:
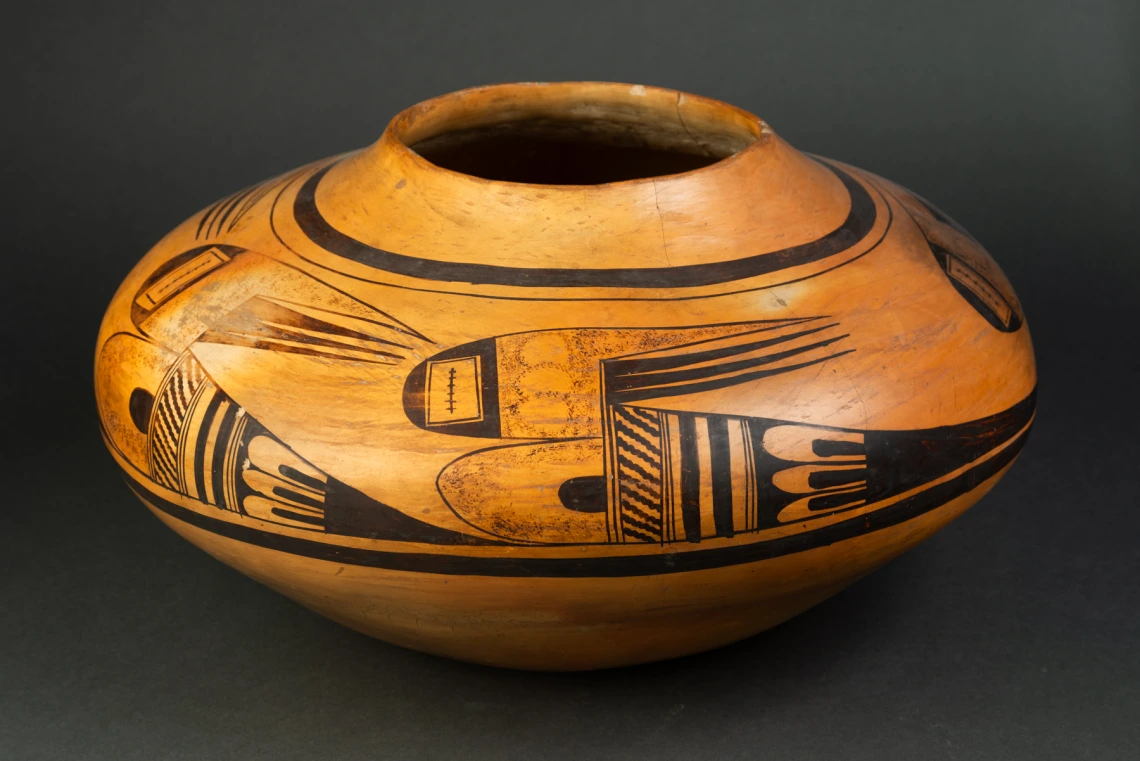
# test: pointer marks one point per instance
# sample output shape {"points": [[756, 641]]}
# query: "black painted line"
{"points": [[667, 378], [721, 475], [860, 220], [200, 445], [750, 489], [690, 478], [221, 448], [399, 327], [301, 499], [597, 567], [710, 385], [206, 215], [267, 331], [281, 347], [500, 297], [252, 200], [833, 478], [656, 365], [298, 517], [292, 474], [237, 198]]}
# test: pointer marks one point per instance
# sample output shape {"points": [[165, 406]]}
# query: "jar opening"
{"points": [[574, 133]]}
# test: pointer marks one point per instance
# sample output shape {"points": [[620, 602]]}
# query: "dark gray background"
{"points": [[1011, 635]]}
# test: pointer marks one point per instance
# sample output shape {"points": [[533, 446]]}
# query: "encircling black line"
{"points": [[860, 220], [595, 567], [499, 297]]}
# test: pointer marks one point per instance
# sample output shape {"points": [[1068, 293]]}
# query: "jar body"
{"points": [[397, 405]]}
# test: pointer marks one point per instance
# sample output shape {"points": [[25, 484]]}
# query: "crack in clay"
{"points": [[694, 138], [661, 220]]}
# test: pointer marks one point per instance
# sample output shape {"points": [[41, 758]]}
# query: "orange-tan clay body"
{"points": [[631, 378]]}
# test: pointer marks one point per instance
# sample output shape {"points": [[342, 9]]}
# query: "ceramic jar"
{"points": [[565, 376]]}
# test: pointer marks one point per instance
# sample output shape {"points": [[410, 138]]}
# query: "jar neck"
{"points": [[749, 191]]}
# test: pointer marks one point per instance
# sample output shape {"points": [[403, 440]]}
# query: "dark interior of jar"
{"points": [[579, 152]]}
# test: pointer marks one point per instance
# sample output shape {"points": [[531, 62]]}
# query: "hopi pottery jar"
{"points": [[565, 376]]}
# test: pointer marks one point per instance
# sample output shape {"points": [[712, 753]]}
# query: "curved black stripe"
{"points": [[200, 445], [667, 378], [656, 392], [238, 197], [628, 366], [208, 214], [859, 222], [593, 567], [222, 444]]}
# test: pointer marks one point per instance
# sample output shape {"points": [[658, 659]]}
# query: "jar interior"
{"points": [[607, 136]]}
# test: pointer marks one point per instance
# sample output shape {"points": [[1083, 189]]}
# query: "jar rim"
{"points": [[660, 118]]}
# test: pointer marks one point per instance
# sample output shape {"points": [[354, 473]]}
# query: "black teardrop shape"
{"points": [[585, 494]]}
